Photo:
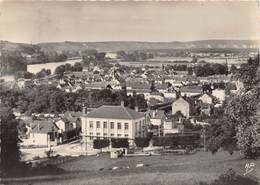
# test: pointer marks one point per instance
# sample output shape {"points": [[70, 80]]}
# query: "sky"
{"points": [[34, 22]]}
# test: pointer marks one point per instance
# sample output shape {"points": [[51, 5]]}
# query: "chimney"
{"points": [[84, 110], [122, 103], [154, 113], [136, 109]]}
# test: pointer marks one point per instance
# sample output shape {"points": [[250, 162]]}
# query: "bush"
{"points": [[100, 143], [120, 143], [231, 178], [49, 153], [142, 142], [177, 141]]}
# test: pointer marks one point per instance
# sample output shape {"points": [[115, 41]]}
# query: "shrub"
{"points": [[100, 143], [177, 141], [231, 178], [49, 153], [120, 143], [142, 142]]}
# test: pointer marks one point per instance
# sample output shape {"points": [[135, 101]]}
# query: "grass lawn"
{"points": [[168, 170]]}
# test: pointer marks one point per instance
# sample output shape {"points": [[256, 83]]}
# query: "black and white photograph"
{"points": [[113, 92]]}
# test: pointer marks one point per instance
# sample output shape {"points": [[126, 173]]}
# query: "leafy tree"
{"points": [[9, 154], [77, 67], [222, 133], [241, 111], [24, 74], [12, 62], [248, 73], [211, 69], [233, 69], [44, 72], [190, 71], [239, 124], [60, 70]]}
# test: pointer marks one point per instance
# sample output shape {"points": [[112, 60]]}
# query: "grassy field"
{"points": [[166, 170]]}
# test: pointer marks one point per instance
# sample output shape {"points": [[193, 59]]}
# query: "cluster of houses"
{"points": [[170, 91], [45, 130]]}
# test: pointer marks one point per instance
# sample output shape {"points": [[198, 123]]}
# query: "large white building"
{"points": [[112, 122]]}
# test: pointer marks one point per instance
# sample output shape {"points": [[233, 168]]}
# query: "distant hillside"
{"points": [[131, 46], [20, 47]]}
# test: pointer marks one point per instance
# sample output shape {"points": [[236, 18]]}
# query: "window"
{"points": [[91, 133], [112, 125], [104, 124], [126, 135], [98, 124], [90, 138], [119, 135], [105, 134], [126, 126], [90, 124], [112, 135], [98, 134], [119, 126]]}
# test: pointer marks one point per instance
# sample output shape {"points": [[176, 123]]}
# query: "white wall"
{"points": [[134, 126], [40, 139], [182, 107]]}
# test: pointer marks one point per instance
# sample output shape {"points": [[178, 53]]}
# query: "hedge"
{"points": [[120, 143], [100, 143]]}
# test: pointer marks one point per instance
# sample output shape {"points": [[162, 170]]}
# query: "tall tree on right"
{"points": [[243, 109]]}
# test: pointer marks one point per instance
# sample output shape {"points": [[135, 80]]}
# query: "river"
{"points": [[35, 68]]}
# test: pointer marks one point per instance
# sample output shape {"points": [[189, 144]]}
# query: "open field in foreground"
{"points": [[166, 170]]}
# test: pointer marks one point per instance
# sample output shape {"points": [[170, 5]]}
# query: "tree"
{"points": [[24, 74], [247, 73], [44, 72], [233, 69], [222, 133], [10, 154], [12, 62], [240, 121], [77, 67], [190, 71], [60, 70], [242, 112], [153, 88]]}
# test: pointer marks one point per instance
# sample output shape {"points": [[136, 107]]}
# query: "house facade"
{"points": [[112, 122], [42, 133], [181, 105], [206, 98]]}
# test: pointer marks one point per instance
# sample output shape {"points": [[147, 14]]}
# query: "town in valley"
{"points": [[128, 112]]}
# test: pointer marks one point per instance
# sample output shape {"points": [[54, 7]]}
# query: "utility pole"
{"points": [[1, 57], [204, 138]]}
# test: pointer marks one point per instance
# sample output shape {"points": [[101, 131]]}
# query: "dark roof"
{"points": [[114, 112], [138, 85], [43, 126], [159, 114], [161, 86], [193, 89]]}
